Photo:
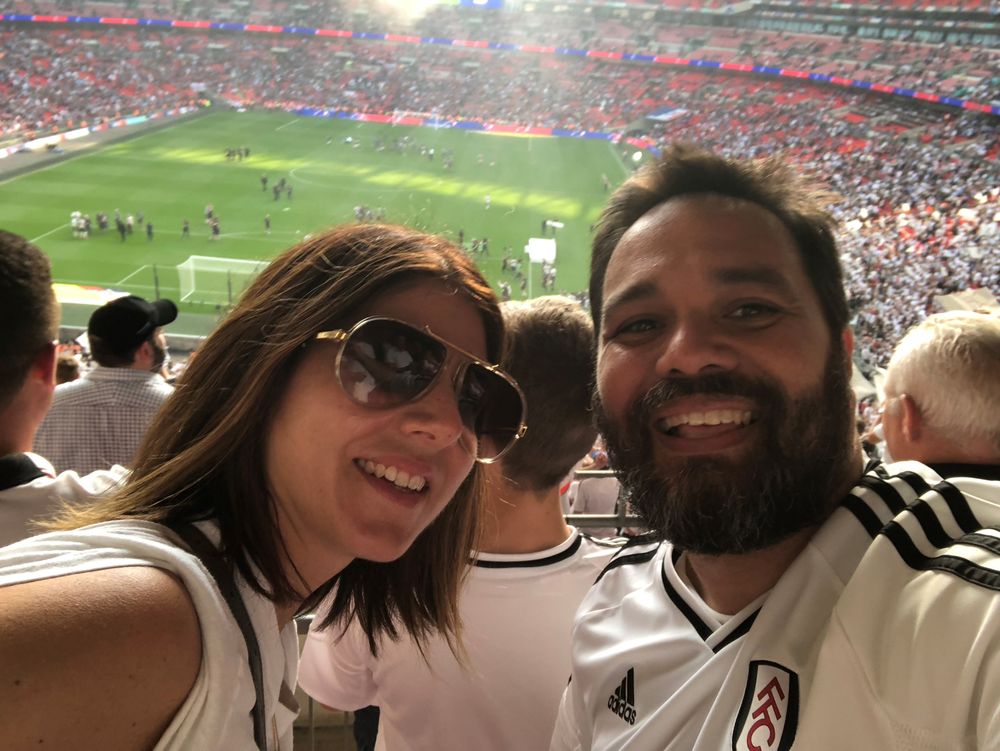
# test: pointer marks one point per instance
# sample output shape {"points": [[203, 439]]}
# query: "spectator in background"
{"points": [[30, 490], [67, 368], [524, 586], [596, 495], [99, 420], [942, 395], [265, 476]]}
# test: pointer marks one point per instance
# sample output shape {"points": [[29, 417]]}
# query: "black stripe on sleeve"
{"points": [[627, 560], [930, 524], [886, 492], [981, 541], [959, 507], [915, 481], [867, 516], [864, 514], [960, 567]]}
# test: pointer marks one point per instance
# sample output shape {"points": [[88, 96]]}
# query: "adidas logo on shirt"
{"points": [[622, 700]]}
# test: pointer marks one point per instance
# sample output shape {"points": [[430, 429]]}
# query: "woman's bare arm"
{"points": [[100, 660]]}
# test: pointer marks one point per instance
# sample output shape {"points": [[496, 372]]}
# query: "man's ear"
{"points": [[43, 367], [143, 355], [912, 423]]}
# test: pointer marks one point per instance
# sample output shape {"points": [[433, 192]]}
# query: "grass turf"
{"points": [[170, 175]]}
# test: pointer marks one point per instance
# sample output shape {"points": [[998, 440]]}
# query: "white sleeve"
{"points": [[988, 722], [566, 735], [335, 671]]}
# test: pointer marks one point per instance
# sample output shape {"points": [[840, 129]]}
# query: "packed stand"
{"points": [[918, 210], [941, 68]]}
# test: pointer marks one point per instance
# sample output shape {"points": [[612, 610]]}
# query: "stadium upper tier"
{"points": [[920, 186], [281, 11], [53, 78], [962, 72]]}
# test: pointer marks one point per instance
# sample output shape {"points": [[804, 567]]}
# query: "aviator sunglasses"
{"points": [[386, 363]]}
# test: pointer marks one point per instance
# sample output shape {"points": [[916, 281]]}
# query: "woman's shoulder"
{"points": [[97, 659]]}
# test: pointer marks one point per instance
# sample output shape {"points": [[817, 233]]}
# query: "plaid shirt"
{"points": [[99, 420]]}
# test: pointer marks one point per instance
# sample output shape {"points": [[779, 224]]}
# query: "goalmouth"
{"points": [[214, 280]]}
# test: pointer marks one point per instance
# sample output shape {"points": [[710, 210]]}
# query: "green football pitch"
{"points": [[172, 174]]}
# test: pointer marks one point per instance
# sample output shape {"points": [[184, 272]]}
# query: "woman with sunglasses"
{"points": [[326, 436]]}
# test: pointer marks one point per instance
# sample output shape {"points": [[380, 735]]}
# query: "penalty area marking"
{"points": [[290, 122], [137, 271], [50, 232]]}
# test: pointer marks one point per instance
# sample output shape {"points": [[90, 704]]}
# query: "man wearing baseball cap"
{"points": [[99, 420]]}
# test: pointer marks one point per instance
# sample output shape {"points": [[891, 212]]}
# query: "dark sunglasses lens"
{"points": [[386, 363], [491, 407]]}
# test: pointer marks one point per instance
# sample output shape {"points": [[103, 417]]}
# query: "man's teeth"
{"points": [[712, 417], [397, 477]]}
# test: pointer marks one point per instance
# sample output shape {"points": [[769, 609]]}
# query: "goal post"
{"points": [[216, 281]]}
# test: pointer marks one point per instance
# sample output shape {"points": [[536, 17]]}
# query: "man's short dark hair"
{"points": [[110, 357], [28, 310], [551, 354], [770, 183]]}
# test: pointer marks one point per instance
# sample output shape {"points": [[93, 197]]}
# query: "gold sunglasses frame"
{"points": [[342, 335]]}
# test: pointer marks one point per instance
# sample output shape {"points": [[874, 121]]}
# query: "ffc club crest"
{"points": [[769, 714]]}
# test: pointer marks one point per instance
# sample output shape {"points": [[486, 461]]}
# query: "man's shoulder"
{"points": [[71, 486], [928, 531], [613, 545], [923, 606], [67, 393], [634, 565], [594, 553], [158, 385]]}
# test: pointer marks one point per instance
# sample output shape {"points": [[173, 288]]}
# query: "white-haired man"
{"points": [[942, 392]]}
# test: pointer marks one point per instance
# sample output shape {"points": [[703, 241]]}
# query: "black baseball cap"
{"points": [[125, 323]]}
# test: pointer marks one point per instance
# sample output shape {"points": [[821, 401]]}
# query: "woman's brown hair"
{"points": [[202, 457]]}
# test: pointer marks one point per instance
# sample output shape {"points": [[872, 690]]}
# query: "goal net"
{"points": [[216, 281]]}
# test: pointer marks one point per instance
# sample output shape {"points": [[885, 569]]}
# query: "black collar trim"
{"points": [[981, 471], [534, 563]]}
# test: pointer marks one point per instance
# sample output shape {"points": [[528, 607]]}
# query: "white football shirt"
{"points": [[884, 633], [517, 612]]}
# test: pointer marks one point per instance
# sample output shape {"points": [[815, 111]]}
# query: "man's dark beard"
{"points": [[712, 505]]}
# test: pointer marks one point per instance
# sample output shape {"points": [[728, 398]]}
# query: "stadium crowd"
{"points": [[944, 68], [920, 190], [919, 213]]}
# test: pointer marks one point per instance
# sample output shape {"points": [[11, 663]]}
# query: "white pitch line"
{"points": [[50, 232], [618, 159], [290, 122], [137, 271]]}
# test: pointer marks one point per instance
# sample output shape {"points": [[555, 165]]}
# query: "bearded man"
{"points": [[790, 596]]}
